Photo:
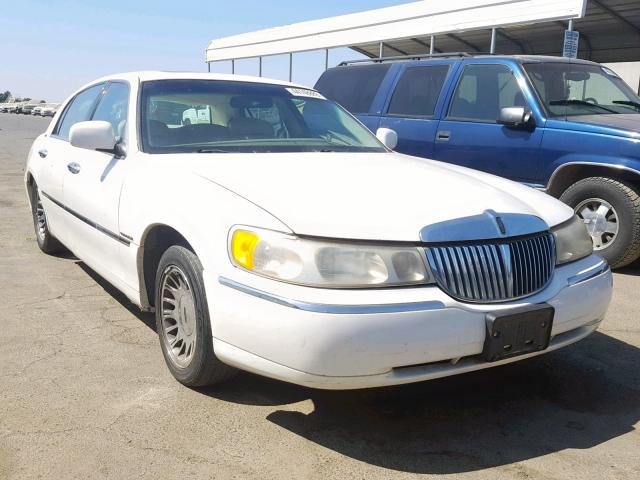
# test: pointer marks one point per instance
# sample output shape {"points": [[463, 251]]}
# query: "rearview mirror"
{"points": [[388, 137], [94, 135], [516, 117]]}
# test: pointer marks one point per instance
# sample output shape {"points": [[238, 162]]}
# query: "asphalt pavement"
{"points": [[84, 392]]}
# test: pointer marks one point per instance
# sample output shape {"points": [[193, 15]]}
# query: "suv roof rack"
{"points": [[405, 57]]}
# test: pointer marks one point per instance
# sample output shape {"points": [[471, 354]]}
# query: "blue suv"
{"points": [[569, 127]]}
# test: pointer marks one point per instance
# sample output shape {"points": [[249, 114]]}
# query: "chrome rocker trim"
{"points": [[332, 308]]}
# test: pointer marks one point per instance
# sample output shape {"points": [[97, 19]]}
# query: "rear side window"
{"points": [[353, 87], [418, 90], [79, 110], [113, 108]]}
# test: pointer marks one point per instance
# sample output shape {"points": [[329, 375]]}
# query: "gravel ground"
{"points": [[84, 392]]}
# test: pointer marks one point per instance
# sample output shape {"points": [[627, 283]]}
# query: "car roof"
{"points": [[147, 76]]}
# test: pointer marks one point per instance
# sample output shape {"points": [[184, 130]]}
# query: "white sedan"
{"points": [[276, 234]]}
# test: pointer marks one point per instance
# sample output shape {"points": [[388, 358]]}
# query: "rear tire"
{"points": [[46, 241], [183, 323], [611, 210]]}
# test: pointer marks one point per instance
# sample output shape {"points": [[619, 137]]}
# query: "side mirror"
{"points": [[515, 117], [388, 137], [95, 135]]}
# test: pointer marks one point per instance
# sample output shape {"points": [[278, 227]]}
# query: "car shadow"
{"points": [[146, 318], [633, 269], [576, 398]]}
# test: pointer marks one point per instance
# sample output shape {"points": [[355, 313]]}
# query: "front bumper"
{"points": [[341, 339]]}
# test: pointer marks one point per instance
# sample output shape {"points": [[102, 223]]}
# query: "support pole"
{"points": [[259, 66], [291, 67], [493, 41], [233, 67], [432, 45], [381, 50], [570, 28], [326, 59], [209, 67]]}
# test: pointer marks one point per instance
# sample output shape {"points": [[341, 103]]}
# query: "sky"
{"points": [[50, 48]]}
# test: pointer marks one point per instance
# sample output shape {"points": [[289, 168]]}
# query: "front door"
{"points": [[92, 186], [469, 134]]}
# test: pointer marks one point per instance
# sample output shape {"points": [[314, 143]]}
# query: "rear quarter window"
{"points": [[353, 87]]}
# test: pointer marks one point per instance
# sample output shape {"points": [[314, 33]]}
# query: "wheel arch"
{"points": [[569, 173], [155, 240]]}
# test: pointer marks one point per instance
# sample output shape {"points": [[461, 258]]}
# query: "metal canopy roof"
{"points": [[406, 29], [609, 32]]}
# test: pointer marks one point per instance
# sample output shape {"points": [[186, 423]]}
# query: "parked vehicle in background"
{"points": [[49, 111], [37, 111], [274, 238], [27, 109], [568, 127]]}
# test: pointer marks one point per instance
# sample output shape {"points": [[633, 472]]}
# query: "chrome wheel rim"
{"points": [[178, 313], [41, 219], [601, 220]]}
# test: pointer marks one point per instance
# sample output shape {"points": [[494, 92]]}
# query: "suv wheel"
{"points": [[182, 321], [611, 211]]}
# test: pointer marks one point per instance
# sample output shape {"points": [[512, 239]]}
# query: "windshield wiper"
{"points": [[631, 103], [580, 102], [212, 150]]}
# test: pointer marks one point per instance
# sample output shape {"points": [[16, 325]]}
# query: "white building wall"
{"points": [[629, 72]]}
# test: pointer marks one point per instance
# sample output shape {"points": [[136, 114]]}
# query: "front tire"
{"points": [[611, 211], [182, 321], [46, 241]]}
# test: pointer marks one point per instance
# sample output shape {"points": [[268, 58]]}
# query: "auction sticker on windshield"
{"points": [[304, 92]]}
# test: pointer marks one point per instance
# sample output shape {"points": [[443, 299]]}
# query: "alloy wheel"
{"points": [[601, 220], [178, 313]]}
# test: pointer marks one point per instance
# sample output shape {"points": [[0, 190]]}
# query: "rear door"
{"points": [[357, 88], [412, 108], [469, 134]]}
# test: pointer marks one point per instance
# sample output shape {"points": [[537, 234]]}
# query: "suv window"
{"points": [[482, 91], [113, 107], [353, 87], [418, 90], [78, 110]]}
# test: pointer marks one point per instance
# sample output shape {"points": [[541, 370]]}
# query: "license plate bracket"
{"points": [[517, 332]]}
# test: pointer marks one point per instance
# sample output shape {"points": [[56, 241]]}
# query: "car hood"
{"points": [[623, 124], [379, 196]]}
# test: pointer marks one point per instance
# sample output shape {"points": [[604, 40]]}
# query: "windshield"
{"points": [[211, 116], [569, 89]]}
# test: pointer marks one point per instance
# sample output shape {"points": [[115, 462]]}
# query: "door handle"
{"points": [[443, 136], [74, 167], [43, 153]]}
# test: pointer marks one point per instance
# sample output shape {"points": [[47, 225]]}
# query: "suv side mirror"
{"points": [[515, 117], [388, 137], [95, 135]]}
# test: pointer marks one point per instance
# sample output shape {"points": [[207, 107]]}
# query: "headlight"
{"points": [[572, 241], [325, 263]]}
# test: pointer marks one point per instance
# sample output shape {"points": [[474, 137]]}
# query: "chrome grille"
{"points": [[494, 272]]}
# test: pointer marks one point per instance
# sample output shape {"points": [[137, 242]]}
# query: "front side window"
{"points": [[482, 91], [79, 110], [418, 91], [113, 108], [353, 87], [568, 89], [245, 117]]}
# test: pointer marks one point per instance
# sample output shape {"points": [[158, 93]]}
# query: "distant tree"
{"points": [[26, 99], [5, 96], [43, 101]]}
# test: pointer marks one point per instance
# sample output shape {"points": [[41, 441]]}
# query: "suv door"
{"points": [[92, 188], [411, 110], [469, 135]]}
